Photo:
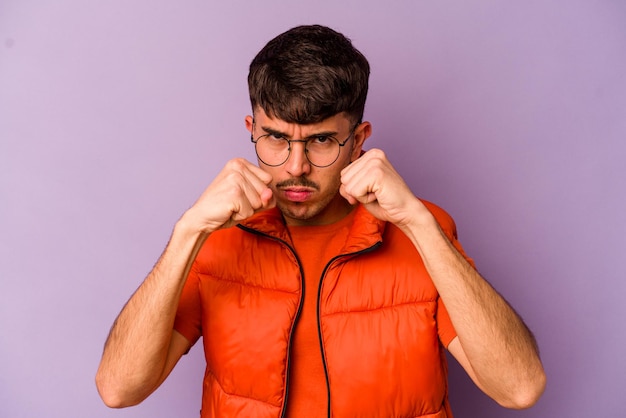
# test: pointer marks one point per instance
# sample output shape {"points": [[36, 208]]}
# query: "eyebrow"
{"points": [[272, 131]]}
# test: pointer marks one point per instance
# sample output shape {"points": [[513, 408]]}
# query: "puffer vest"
{"points": [[376, 322]]}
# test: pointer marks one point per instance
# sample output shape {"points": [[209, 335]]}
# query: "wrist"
{"points": [[422, 226], [190, 227], [421, 218]]}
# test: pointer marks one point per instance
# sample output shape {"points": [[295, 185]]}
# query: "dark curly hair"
{"points": [[308, 74]]}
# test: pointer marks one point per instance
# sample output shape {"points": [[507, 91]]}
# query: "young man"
{"points": [[320, 284]]}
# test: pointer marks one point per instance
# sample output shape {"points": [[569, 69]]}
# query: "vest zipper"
{"points": [[298, 312], [319, 296]]}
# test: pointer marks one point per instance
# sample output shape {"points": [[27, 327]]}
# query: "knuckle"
{"points": [[378, 154], [236, 164]]}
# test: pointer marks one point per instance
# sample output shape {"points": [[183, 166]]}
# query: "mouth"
{"points": [[297, 194], [297, 190]]}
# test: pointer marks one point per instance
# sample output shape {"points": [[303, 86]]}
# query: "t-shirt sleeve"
{"points": [[444, 324], [188, 319]]}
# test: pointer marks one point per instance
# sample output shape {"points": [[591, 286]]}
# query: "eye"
{"points": [[277, 138], [320, 139]]}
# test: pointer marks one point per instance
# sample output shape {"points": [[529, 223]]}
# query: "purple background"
{"points": [[115, 115]]}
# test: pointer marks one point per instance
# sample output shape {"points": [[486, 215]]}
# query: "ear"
{"points": [[249, 123], [361, 133]]}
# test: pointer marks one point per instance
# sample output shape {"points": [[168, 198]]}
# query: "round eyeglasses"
{"points": [[273, 149]]}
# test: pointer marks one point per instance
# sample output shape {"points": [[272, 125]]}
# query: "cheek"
{"points": [[345, 161], [331, 180]]}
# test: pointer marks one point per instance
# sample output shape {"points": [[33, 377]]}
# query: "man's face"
{"points": [[306, 194]]}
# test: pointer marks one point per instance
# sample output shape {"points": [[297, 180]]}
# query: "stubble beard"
{"points": [[306, 211]]}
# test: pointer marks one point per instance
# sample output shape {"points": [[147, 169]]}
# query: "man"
{"points": [[320, 284]]}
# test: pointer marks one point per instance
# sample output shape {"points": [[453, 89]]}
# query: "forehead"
{"points": [[336, 123]]}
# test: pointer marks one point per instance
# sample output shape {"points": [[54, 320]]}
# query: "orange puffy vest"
{"points": [[376, 314]]}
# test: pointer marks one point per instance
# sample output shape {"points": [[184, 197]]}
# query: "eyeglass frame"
{"points": [[305, 142]]}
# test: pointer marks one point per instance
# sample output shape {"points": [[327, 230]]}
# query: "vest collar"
{"points": [[364, 233]]}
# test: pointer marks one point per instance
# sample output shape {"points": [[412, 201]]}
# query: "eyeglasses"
{"points": [[273, 149]]}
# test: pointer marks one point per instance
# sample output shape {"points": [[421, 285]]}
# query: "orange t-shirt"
{"points": [[315, 246]]}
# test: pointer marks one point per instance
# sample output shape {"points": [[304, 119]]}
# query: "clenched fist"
{"points": [[239, 190]]}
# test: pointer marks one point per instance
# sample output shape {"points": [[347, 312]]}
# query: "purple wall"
{"points": [[115, 115]]}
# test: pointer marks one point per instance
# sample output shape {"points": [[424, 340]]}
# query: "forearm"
{"points": [[135, 353], [142, 347], [499, 347], [496, 348]]}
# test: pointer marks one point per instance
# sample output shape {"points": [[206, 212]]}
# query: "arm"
{"points": [[493, 344], [142, 347]]}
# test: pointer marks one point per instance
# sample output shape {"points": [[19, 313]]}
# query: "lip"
{"points": [[297, 194]]}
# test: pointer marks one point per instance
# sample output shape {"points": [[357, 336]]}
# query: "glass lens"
{"points": [[322, 151], [272, 150]]}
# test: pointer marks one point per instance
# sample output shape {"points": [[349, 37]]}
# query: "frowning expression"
{"points": [[307, 194]]}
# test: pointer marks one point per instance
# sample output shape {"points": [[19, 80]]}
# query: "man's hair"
{"points": [[308, 74]]}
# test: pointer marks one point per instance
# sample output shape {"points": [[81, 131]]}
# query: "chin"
{"points": [[296, 213]]}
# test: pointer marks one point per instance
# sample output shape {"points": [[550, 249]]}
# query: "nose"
{"points": [[297, 164]]}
